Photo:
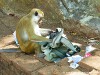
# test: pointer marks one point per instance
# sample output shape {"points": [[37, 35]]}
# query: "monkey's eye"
{"points": [[36, 13]]}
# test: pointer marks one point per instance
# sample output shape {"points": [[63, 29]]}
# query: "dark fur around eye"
{"points": [[36, 13]]}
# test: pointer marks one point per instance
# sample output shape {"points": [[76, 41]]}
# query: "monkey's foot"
{"points": [[41, 55]]}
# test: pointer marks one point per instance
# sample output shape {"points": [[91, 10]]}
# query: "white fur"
{"points": [[35, 20]]}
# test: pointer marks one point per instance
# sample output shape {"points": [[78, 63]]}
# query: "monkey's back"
{"points": [[24, 33]]}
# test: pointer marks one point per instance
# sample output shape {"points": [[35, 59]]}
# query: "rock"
{"points": [[90, 63], [94, 72]]}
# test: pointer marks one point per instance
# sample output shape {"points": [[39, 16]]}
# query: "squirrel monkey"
{"points": [[28, 32]]}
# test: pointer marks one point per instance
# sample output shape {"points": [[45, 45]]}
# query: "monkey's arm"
{"points": [[36, 38], [45, 32]]}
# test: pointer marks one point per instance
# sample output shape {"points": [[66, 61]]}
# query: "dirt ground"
{"points": [[38, 65]]}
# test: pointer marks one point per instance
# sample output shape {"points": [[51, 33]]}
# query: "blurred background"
{"points": [[77, 17]]}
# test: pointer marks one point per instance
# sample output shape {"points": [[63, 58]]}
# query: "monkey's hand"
{"points": [[45, 32]]}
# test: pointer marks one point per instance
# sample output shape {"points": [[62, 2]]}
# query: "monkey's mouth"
{"points": [[40, 21]]}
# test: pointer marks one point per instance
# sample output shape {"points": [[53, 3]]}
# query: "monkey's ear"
{"points": [[36, 13]]}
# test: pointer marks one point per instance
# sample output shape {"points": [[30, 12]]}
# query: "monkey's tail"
{"points": [[11, 50]]}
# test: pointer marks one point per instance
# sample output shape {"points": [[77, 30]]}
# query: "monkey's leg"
{"points": [[29, 47]]}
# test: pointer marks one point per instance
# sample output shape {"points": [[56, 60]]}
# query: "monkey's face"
{"points": [[37, 15]]}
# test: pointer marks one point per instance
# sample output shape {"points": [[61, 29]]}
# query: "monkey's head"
{"points": [[36, 15]]}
